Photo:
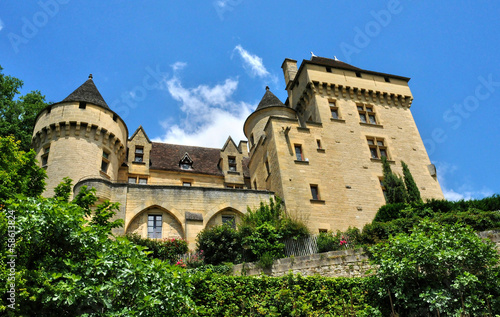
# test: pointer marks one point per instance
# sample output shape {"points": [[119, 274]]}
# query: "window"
{"points": [[366, 114], [229, 220], [318, 144], [186, 184], [358, 74], [328, 69], [139, 154], [382, 186], [323, 230], [115, 117], [387, 80], [49, 109], [132, 180], [82, 105], [105, 161], [314, 192], [186, 163], [154, 226], [377, 147], [252, 140], [45, 156], [143, 181], [234, 186], [298, 152], [267, 168], [254, 184], [232, 163], [334, 110], [137, 180]]}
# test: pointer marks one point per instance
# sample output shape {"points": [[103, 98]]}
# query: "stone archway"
{"points": [[171, 227], [217, 218]]}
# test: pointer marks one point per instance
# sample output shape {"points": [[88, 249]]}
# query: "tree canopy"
{"points": [[17, 116]]}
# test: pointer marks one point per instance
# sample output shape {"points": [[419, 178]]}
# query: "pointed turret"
{"points": [[87, 92], [269, 100]]}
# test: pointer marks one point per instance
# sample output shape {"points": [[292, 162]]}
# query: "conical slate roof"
{"points": [[87, 92], [269, 100]]}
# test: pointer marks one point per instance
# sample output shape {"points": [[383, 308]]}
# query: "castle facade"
{"points": [[320, 151]]}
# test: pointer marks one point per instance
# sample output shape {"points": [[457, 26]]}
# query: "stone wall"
{"points": [[345, 263]]}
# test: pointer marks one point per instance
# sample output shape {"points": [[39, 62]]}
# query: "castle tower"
{"points": [[79, 137], [321, 150]]}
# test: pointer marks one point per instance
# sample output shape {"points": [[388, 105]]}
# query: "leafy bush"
{"points": [[263, 241], [223, 269], [446, 270], [328, 241], [290, 295], [67, 265], [219, 244], [162, 249]]}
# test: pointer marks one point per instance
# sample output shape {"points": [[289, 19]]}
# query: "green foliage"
{"points": [[220, 244], [17, 117], [67, 265], [223, 269], [394, 185], [259, 235], [291, 295], [63, 190], [411, 186], [167, 250], [19, 172], [447, 270], [329, 241], [389, 211]]}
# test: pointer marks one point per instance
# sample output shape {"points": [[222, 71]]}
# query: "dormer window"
{"points": [[186, 163], [232, 163], [139, 154]]}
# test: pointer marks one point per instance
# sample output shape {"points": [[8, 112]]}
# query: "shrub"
{"points": [[219, 244], [328, 241], [264, 239], [162, 249]]}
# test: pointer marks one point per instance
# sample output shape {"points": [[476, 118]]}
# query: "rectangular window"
{"points": [[318, 143], [232, 163], [45, 156], [328, 69], [143, 181], [82, 105], [267, 168], [154, 226], [382, 186], [358, 74], [334, 110], [132, 180], [139, 154], [255, 184], [387, 80], [367, 114], [298, 152], [229, 220], [186, 184], [314, 192], [377, 147], [105, 162]]}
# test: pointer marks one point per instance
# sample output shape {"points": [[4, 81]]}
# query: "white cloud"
{"points": [[211, 115], [253, 63], [1, 24], [465, 191]]}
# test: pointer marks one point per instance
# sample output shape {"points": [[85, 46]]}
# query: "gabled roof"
{"points": [[228, 141], [140, 128], [269, 100], [166, 157], [87, 92]]}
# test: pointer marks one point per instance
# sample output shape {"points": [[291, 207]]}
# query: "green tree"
{"points": [[220, 244], [394, 185], [17, 117], [446, 270], [19, 172], [411, 186], [66, 264]]}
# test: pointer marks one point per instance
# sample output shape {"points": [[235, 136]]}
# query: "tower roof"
{"points": [[87, 92], [269, 100]]}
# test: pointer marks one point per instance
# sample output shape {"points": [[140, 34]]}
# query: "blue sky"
{"points": [[190, 72]]}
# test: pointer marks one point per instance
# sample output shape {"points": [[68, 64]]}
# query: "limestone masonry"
{"points": [[320, 151]]}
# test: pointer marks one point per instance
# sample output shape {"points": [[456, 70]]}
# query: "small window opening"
{"points": [[358, 74], [82, 105]]}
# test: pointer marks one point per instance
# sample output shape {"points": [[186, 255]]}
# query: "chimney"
{"points": [[289, 70]]}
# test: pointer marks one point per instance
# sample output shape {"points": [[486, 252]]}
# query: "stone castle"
{"points": [[320, 151]]}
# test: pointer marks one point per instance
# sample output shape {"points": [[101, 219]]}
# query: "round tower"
{"points": [[269, 106], [79, 137]]}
